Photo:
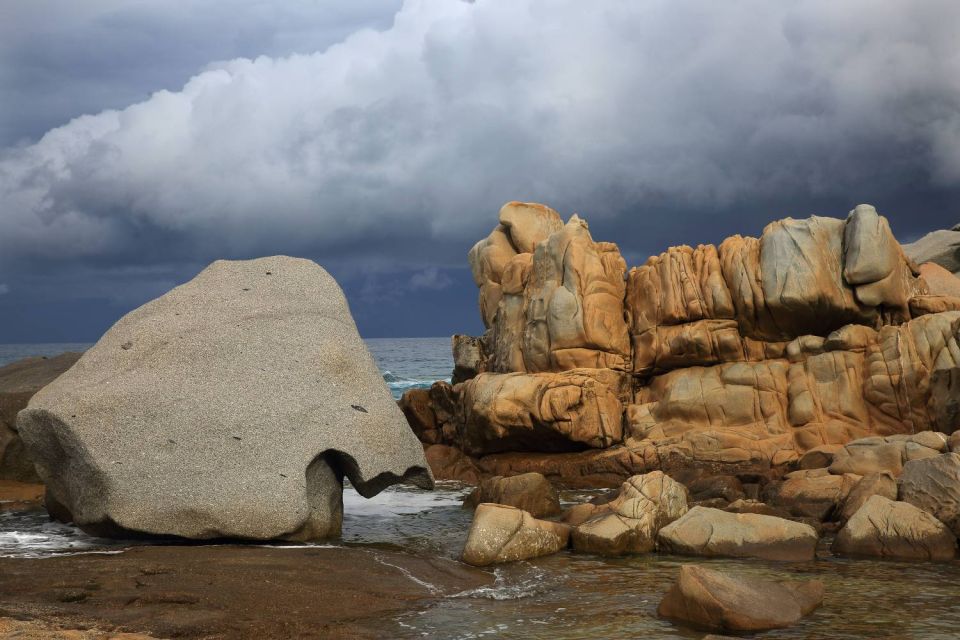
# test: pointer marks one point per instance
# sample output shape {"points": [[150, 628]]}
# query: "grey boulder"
{"points": [[230, 407], [940, 247]]}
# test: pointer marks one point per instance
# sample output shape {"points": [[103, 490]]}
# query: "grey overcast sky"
{"points": [[141, 140]]}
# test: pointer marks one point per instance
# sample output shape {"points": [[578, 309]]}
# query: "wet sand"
{"points": [[229, 591]]}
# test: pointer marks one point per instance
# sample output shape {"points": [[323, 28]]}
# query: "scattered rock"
{"points": [[884, 528], [629, 523], [711, 532], [529, 491], [506, 534], [19, 381], [933, 484], [719, 601], [729, 488], [231, 415], [881, 483], [940, 281]]}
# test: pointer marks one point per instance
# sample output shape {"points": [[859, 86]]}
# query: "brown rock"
{"points": [[882, 527], [719, 601], [18, 382], [712, 532], [881, 483], [449, 463], [506, 534], [529, 491], [819, 457], [469, 357], [729, 488], [811, 493], [875, 454], [933, 485], [629, 523]]}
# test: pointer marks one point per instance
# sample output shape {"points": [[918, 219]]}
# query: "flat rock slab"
{"points": [[232, 591], [711, 532]]}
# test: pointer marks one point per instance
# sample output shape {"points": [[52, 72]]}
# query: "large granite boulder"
{"points": [[888, 529], [19, 381], [629, 523], [933, 484], [711, 532], [506, 534], [881, 483], [715, 600], [230, 407]]}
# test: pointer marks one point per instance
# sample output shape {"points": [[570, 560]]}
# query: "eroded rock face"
{"points": [[712, 532], [566, 411], [506, 534], [19, 381], [722, 602], [530, 492], [738, 359], [629, 523], [232, 406], [884, 528]]}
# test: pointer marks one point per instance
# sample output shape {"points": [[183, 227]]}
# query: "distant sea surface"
{"points": [[406, 363]]}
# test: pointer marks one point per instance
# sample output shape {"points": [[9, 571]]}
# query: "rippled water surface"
{"points": [[567, 595]]}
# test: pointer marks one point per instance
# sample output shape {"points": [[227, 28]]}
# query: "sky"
{"points": [[141, 140]]}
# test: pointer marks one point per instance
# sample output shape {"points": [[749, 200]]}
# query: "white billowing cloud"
{"points": [[418, 133]]}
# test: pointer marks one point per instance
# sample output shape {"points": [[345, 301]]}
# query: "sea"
{"points": [[567, 595]]}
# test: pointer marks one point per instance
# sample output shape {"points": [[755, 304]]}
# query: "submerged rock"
{"points": [[629, 523], [529, 491], [712, 532], [19, 381], [230, 407], [722, 602], [884, 528], [507, 534]]}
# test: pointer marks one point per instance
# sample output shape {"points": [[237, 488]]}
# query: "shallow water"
{"points": [[567, 595]]}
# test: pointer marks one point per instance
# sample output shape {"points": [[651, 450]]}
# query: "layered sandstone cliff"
{"points": [[735, 358]]}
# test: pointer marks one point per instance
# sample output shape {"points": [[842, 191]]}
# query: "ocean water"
{"points": [[567, 595]]}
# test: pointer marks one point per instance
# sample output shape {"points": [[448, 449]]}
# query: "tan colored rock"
{"points": [[564, 411], [933, 485], [723, 602], [19, 381], [528, 224], [712, 532], [881, 483], [874, 454], [940, 282], [884, 528], [506, 534], [630, 522], [469, 357], [811, 493], [529, 491]]}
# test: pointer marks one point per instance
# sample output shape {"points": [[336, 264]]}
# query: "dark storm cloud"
{"points": [[386, 155]]}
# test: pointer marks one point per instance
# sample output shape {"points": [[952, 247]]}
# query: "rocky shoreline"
{"points": [[761, 400]]}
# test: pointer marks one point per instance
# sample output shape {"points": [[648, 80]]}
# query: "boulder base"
{"points": [[888, 529], [507, 534], [721, 602]]}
